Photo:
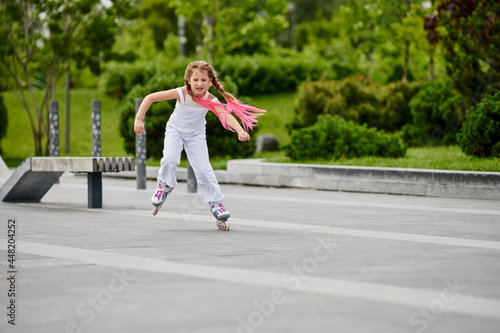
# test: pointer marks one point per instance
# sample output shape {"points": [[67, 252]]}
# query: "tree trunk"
{"points": [[407, 47], [210, 24], [211, 32], [46, 128], [431, 68], [37, 141], [407, 58]]}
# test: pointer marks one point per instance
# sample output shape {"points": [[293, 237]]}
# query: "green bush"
{"points": [[221, 142], [435, 116], [480, 133], [396, 110], [3, 121], [332, 137], [357, 99]]}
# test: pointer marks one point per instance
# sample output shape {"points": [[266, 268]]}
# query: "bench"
{"points": [[35, 176]]}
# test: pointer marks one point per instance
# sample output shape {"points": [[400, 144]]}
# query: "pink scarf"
{"points": [[243, 111]]}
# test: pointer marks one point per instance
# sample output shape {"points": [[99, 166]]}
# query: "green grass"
{"points": [[18, 143], [442, 158], [279, 113]]}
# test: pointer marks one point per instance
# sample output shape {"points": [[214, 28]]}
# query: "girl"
{"points": [[186, 129]]}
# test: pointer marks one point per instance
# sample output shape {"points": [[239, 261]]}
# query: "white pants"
{"points": [[197, 153]]}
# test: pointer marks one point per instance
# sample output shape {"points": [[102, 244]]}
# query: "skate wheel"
{"points": [[223, 225], [156, 209]]}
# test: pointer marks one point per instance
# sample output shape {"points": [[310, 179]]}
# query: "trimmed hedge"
{"points": [[332, 137], [480, 134], [259, 74], [247, 75], [221, 142], [120, 78]]}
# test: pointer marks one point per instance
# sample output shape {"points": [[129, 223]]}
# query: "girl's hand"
{"points": [[243, 136], [139, 126]]}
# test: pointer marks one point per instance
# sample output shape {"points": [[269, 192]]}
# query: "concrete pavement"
{"points": [[295, 260]]}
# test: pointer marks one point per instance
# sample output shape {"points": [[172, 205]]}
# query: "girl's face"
{"points": [[200, 82]]}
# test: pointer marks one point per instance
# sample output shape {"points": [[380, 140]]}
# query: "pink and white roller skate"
{"points": [[162, 191], [221, 214]]}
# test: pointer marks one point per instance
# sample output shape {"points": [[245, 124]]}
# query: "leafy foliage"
{"points": [[43, 37], [480, 134], [232, 26], [332, 137], [436, 116], [357, 99], [470, 37]]}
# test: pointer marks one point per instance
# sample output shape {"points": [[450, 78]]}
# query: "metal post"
{"points": [[94, 179], [192, 184], [96, 128], [140, 152], [54, 128]]}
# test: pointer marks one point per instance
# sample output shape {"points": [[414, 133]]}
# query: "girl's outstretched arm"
{"points": [[231, 121], [234, 124], [146, 103]]}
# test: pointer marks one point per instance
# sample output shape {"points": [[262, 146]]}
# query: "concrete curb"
{"points": [[420, 182]]}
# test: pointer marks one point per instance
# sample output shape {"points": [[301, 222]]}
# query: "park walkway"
{"points": [[295, 260]]}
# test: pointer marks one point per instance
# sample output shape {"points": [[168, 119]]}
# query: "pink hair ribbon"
{"points": [[247, 113]]}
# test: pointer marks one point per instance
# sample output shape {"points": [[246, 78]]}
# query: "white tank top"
{"points": [[189, 116]]}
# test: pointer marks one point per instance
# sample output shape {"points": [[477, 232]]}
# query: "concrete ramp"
{"points": [[25, 185], [36, 175]]}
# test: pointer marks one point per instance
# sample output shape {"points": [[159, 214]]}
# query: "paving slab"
{"points": [[295, 260]]}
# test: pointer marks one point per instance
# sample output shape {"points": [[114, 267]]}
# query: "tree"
{"points": [[409, 30], [469, 31], [480, 134], [160, 18], [41, 37], [242, 26]]}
